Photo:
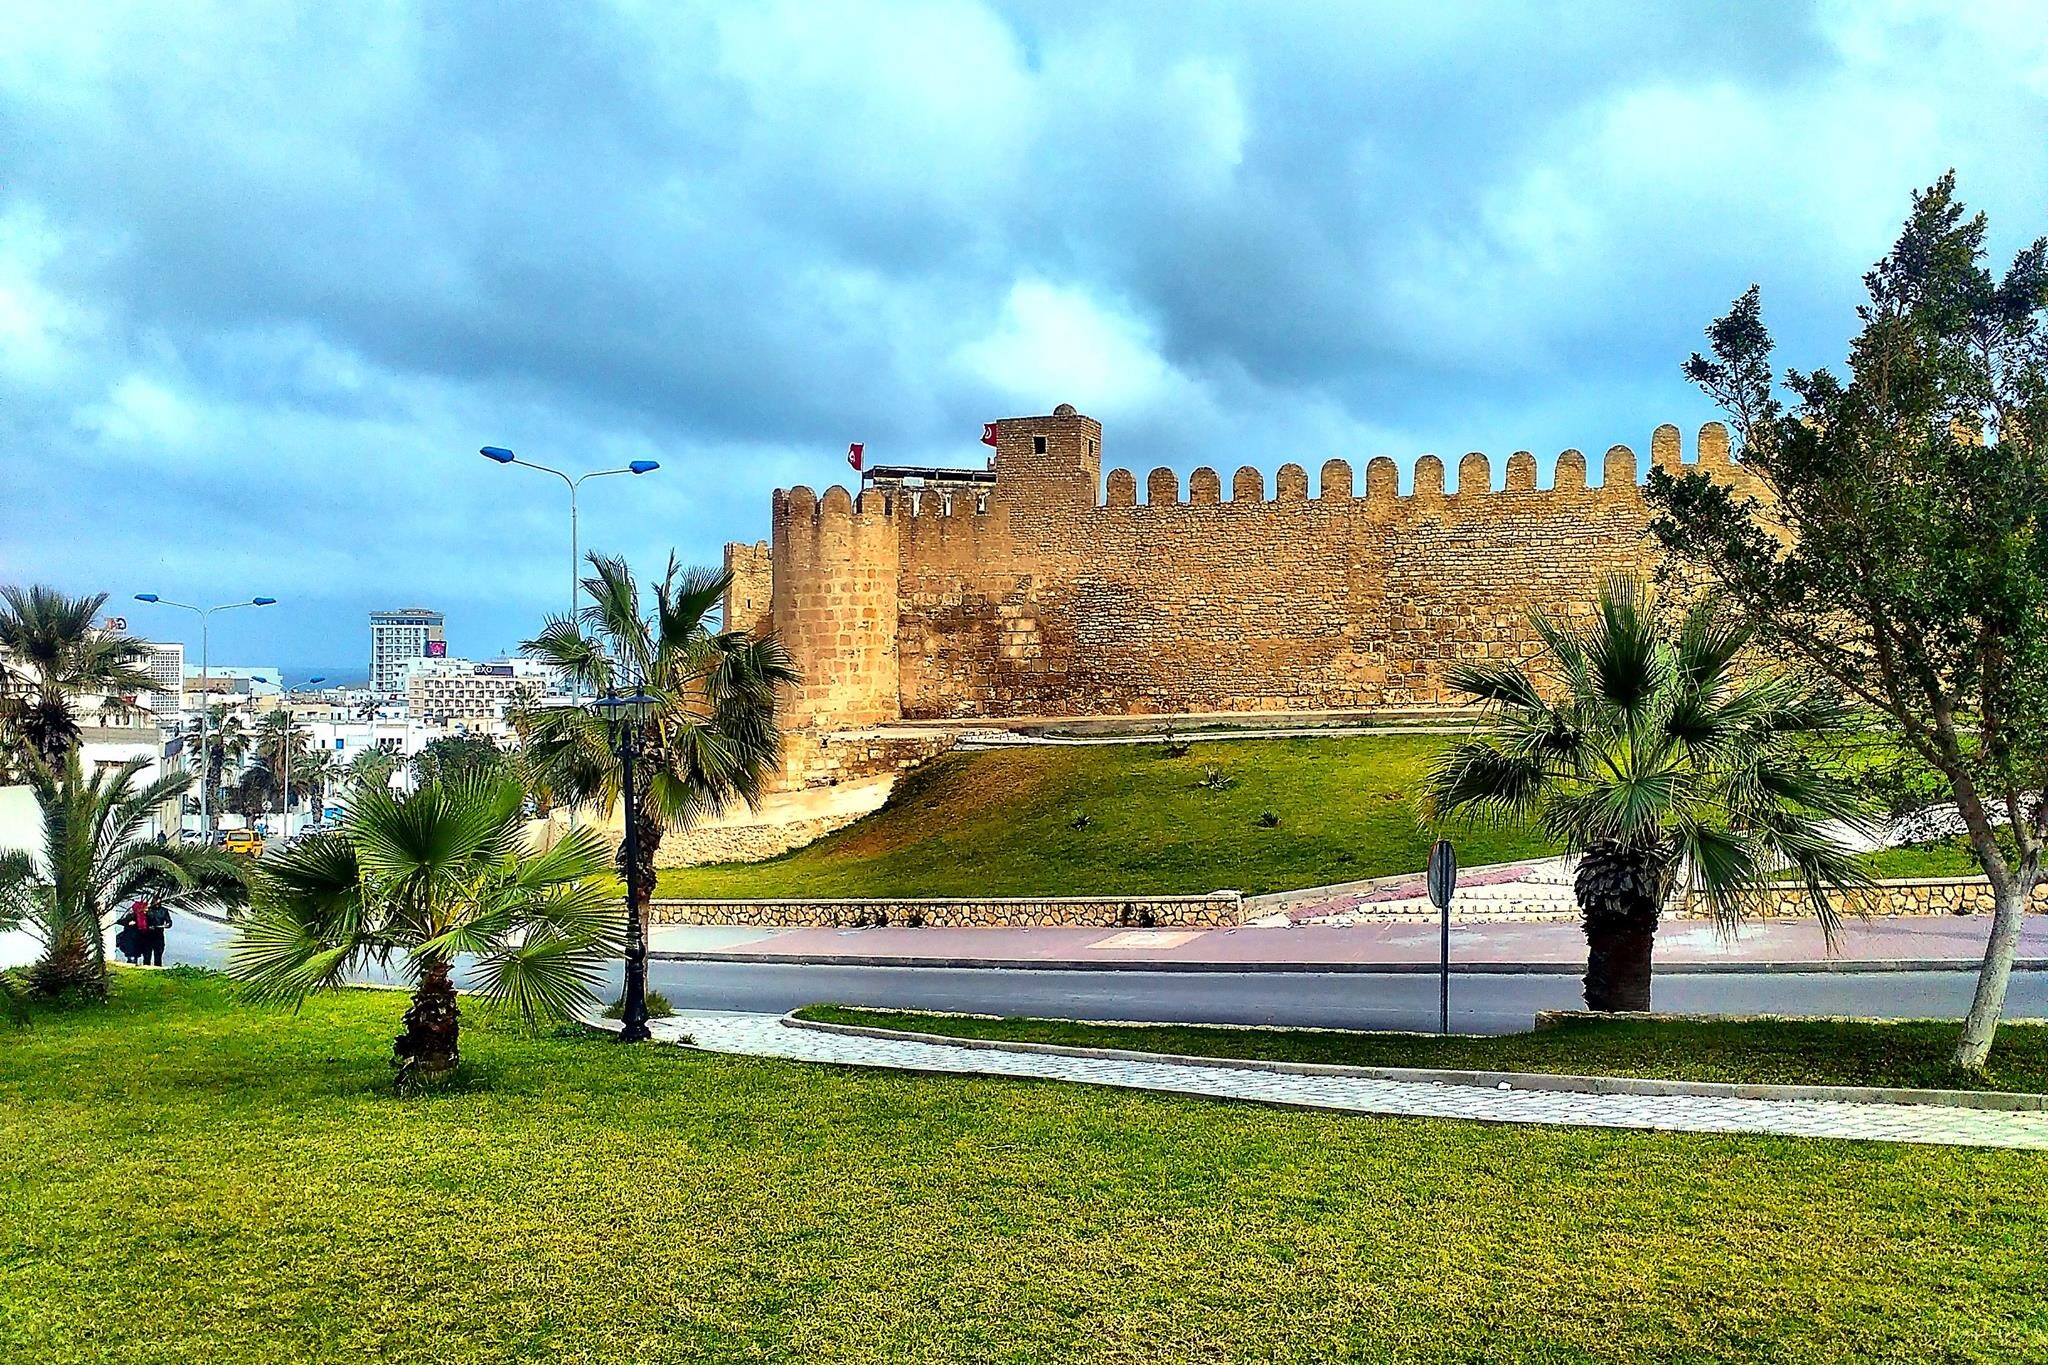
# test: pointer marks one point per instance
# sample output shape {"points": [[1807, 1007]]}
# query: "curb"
{"points": [[1168, 965], [2001, 1100]]}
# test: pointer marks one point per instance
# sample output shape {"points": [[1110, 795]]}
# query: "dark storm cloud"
{"points": [[268, 275]]}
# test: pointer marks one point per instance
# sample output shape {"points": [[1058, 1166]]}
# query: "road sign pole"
{"points": [[1443, 880]]}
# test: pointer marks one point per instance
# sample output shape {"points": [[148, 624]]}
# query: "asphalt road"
{"points": [[1479, 1003]]}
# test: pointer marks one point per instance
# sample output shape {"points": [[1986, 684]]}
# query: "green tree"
{"points": [[53, 657], [94, 863], [313, 772], [710, 737], [431, 876], [453, 758], [1901, 542], [225, 744], [1664, 764], [371, 770]]}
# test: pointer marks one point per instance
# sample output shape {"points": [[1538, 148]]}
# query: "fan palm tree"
{"points": [[430, 876], [709, 736], [94, 863], [51, 657], [1664, 764]]}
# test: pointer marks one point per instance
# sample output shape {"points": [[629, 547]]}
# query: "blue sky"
{"points": [[269, 275]]}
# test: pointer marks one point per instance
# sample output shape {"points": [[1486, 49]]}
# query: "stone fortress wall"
{"points": [[1053, 593]]}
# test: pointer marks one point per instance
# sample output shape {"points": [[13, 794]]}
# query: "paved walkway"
{"points": [[765, 1035]]}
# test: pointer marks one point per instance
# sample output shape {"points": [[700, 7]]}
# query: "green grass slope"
{"points": [[184, 1180], [1003, 823]]}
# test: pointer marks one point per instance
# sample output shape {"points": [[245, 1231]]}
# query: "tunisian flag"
{"points": [[988, 433], [856, 455]]}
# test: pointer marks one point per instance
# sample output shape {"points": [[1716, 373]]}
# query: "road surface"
{"points": [[1479, 1003]]}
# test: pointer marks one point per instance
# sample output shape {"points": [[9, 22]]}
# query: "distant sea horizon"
{"points": [[333, 675]]}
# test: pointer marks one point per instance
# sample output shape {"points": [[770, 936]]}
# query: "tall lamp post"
{"points": [[624, 715], [284, 759], [504, 456], [205, 732]]}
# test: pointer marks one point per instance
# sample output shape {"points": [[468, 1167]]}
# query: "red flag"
{"points": [[988, 433], [855, 454]]}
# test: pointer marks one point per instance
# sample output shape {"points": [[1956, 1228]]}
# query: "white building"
{"points": [[443, 691], [165, 660], [225, 680], [397, 638]]}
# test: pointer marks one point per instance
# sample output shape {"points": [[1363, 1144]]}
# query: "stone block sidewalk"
{"points": [[767, 1035]]}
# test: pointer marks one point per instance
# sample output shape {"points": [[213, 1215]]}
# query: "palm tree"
{"points": [[312, 772], [430, 876], [710, 736], [52, 656], [1664, 764], [94, 863], [277, 742], [226, 742], [372, 769]]}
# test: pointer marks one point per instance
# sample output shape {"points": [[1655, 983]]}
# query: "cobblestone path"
{"points": [[765, 1035]]}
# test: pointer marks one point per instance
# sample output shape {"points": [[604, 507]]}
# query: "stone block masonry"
{"points": [[1049, 592], [1217, 910]]}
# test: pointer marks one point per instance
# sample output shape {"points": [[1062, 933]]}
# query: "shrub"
{"points": [[658, 1006], [1216, 780]]}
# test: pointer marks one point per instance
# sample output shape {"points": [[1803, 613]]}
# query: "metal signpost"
{"points": [[1443, 880]]}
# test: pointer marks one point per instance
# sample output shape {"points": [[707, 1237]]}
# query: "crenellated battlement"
{"points": [[1033, 585], [1621, 472]]}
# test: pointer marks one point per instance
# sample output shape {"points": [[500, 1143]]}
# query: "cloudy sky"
{"points": [[269, 275]]}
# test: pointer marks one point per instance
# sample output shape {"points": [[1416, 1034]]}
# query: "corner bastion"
{"points": [[1035, 587]]}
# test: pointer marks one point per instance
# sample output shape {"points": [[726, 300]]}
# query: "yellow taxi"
{"points": [[243, 843]]}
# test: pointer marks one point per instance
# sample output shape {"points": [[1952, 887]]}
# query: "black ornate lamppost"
{"points": [[624, 715]]}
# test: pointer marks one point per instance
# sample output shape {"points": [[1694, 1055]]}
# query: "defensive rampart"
{"points": [[1053, 592]]}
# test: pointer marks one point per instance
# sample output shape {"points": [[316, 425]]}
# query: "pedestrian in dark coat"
{"points": [[157, 920], [134, 924]]}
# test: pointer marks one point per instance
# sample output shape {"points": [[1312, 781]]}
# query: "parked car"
{"points": [[243, 843]]}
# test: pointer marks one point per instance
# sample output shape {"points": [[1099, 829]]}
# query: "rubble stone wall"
{"points": [[1056, 594], [1220, 909]]}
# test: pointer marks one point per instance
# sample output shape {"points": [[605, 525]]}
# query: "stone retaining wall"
{"points": [[1913, 896], [1218, 909], [747, 843]]}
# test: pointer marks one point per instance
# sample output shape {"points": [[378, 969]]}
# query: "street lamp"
{"points": [[503, 456], [623, 715], [284, 758], [205, 731]]}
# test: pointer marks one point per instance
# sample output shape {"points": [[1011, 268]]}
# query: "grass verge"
{"points": [[1126, 820], [572, 1200], [1787, 1052]]}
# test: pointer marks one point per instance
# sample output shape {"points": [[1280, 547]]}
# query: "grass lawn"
{"points": [[1940, 858], [1792, 1052], [1003, 823], [186, 1179]]}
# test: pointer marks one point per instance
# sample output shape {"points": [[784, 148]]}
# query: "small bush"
{"points": [[1078, 822], [1175, 748], [1268, 819], [1216, 780], [658, 1006]]}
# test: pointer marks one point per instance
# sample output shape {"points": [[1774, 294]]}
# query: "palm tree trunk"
{"points": [[429, 1046], [69, 966], [1620, 893]]}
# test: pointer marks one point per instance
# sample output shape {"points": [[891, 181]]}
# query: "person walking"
{"points": [[157, 920], [134, 926]]}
